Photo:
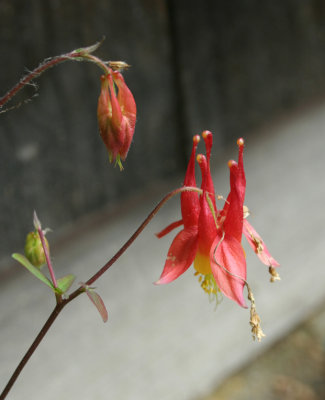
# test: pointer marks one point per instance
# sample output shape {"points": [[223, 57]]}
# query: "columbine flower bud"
{"points": [[34, 250], [116, 113]]}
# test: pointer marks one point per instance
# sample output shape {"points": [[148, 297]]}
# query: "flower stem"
{"points": [[64, 301], [31, 349], [82, 54], [98, 61], [128, 243], [47, 256], [38, 227]]}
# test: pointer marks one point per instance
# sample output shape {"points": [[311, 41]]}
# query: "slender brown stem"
{"points": [[97, 61], [81, 289], [82, 54], [128, 243], [31, 350], [32, 75]]}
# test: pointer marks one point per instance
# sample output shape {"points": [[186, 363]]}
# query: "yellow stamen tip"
{"points": [[209, 285], [240, 142], [200, 158], [231, 163], [196, 139], [205, 134]]}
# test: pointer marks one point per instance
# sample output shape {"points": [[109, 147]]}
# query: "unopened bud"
{"points": [[116, 113], [34, 250]]}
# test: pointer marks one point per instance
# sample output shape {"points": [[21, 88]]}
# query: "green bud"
{"points": [[34, 251]]}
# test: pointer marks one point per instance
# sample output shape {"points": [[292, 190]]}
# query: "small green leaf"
{"points": [[33, 270], [98, 303], [89, 49], [65, 282]]}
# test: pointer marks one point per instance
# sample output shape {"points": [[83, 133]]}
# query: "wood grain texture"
{"points": [[224, 66]]}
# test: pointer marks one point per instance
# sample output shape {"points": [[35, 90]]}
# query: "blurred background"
{"points": [[238, 68]]}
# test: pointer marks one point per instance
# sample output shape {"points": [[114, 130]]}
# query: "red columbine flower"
{"points": [[212, 238], [116, 113], [220, 257]]}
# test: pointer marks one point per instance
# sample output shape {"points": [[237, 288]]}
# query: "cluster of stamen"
{"points": [[209, 285]]}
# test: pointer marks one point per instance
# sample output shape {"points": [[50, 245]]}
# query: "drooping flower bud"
{"points": [[34, 250], [116, 113]]}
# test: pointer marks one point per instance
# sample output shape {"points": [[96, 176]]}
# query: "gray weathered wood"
{"points": [[224, 66], [52, 158]]}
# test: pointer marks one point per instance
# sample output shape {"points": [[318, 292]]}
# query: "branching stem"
{"points": [[64, 301]]}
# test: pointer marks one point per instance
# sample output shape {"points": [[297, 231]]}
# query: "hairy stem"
{"points": [[82, 54]]}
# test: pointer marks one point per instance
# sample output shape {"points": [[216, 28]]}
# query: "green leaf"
{"points": [[33, 270], [65, 282], [89, 49], [98, 303]]}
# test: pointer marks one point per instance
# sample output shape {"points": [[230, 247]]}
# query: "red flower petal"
{"points": [[233, 224], [209, 187], [190, 205], [169, 228], [110, 117], [180, 255], [128, 108], [258, 245], [228, 266], [241, 179]]}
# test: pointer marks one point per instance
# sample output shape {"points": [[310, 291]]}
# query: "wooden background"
{"points": [[226, 66]]}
